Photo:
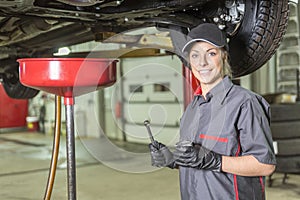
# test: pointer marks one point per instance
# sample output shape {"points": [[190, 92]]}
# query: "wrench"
{"points": [[153, 141]]}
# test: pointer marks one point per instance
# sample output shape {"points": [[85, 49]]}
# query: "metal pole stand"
{"points": [[70, 143]]}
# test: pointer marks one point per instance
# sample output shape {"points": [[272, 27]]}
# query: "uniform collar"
{"points": [[198, 91], [220, 91]]}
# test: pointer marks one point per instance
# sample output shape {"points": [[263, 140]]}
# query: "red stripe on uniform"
{"points": [[262, 185], [236, 190], [209, 137]]}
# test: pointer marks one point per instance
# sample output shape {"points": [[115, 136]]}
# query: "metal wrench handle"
{"points": [[154, 142], [147, 124]]}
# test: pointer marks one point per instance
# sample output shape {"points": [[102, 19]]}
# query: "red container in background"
{"points": [[13, 112], [32, 123]]}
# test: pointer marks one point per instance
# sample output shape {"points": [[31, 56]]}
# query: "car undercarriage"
{"points": [[37, 28]]}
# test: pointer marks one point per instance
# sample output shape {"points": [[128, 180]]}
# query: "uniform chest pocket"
{"points": [[223, 144]]}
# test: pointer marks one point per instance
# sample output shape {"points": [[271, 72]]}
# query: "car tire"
{"points": [[12, 84], [285, 120], [259, 36], [19, 91]]}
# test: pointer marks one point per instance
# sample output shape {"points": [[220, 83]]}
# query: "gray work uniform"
{"points": [[231, 121]]}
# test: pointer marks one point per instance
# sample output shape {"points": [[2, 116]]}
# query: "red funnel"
{"points": [[67, 77]]}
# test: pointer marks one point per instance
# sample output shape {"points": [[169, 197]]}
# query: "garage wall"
{"points": [[148, 88], [86, 113], [262, 81]]}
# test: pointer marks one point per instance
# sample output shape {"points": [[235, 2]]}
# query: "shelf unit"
{"points": [[288, 54]]}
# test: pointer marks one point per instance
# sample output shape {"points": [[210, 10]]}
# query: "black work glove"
{"points": [[188, 154], [161, 156]]}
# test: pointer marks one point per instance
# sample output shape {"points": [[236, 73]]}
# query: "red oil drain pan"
{"points": [[67, 77]]}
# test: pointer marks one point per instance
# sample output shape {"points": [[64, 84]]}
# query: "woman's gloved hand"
{"points": [[188, 154], [161, 156]]}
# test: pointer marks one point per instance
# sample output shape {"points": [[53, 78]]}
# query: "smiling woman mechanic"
{"points": [[225, 146]]}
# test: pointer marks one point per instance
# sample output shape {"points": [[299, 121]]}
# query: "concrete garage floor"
{"points": [[25, 159]]}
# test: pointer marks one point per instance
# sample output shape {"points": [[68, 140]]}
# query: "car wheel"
{"points": [[14, 88], [259, 36]]}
